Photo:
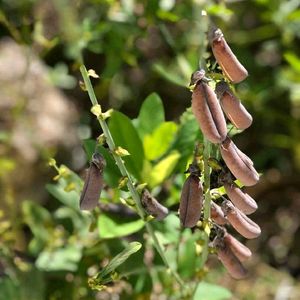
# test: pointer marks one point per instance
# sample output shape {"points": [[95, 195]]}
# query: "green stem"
{"points": [[124, 172], [207, 200]]}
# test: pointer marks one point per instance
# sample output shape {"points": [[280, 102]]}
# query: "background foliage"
{"points": [[144, 52]]}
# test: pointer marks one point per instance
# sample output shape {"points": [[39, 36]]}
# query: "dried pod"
{"points": [[191, 200], [241, 251], [229, 259], [208, 112], [241, 223], [237, 163], [152, 206], [232, 107], [217, 214], [230, 65], [241, 200], [93, 183]]}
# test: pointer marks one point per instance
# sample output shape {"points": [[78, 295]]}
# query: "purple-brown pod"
{"points": [[239, 221], [228, 62], [191, 199], [232, 107], [207, 110], [217, 214], [237, 164], [241, 200], [229, 259], [240, 250], [93, 183], [152, 206]]}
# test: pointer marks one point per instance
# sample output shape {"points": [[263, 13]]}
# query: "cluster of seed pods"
{"points": [[211, 109]]}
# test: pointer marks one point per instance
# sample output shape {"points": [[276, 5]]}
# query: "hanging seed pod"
{"points": [[217, 214], [191, 199], [93, 183], [207, 110], [238, 164], [230, 65], [229, 259], [232, 107], [239, 221], [240, 251], [241, 200], [152, 206]]}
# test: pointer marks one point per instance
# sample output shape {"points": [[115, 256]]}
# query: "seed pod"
{"points": [[233, 108], [241, 251], [238, 164], [229, 259], [93, 183], [217, 214], [240, 222], [241, 200], [230, 65], [152, 206], [191, 201], [208, 112]]}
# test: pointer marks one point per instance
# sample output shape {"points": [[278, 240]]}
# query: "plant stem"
{"points": [[207, 200], [124, 172]]}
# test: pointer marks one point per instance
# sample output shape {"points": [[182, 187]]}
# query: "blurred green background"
{"points": [[137, 48]]}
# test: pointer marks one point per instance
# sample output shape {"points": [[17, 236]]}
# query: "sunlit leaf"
{"points": [[156, 144], [210, 291], [162, 170], [111, 226]]}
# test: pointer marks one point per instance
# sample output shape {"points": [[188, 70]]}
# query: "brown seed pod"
{"points": [[152, 206], [237, 163], [93, 183], [229, 259], [217, 214], [239, 221], [208, 112], [232, 107], [241, 251], [191, 201], [241, 200], [230, 65]]}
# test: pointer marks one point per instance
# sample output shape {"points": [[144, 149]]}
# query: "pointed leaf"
{"points": [[151, 115]]}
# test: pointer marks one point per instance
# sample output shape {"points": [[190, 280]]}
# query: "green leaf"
{"points": [[187, 134], [164, 71], [70, 198], [126, 136], [61, 259], [187, 257], [40, 223], [156, 144], [111, 173], [120, 258], [163, 169], [111, 226], [151, 115], [210, 291]]}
